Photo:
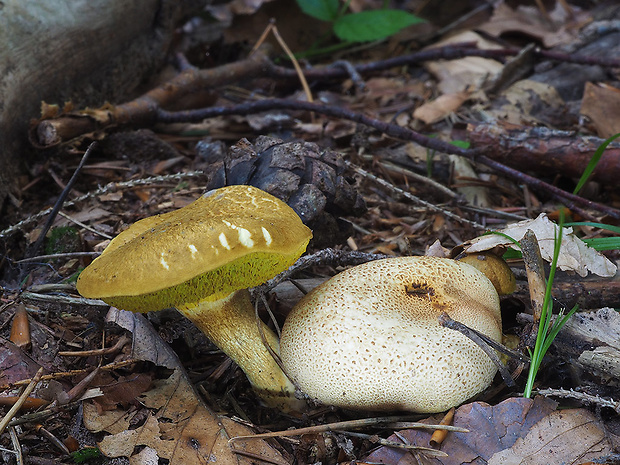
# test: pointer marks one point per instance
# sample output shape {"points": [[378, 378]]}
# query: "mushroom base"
{"points": [[230, 323]]}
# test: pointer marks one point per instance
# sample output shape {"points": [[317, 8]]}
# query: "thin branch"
{"points": [[61, 200], [481, 341], [389, 129]]}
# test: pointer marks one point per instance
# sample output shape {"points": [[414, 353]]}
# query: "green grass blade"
{"points": [[593, 162]]}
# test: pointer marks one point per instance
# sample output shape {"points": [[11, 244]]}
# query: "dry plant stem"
{"points": [[582, 397], [110, 187], [274, 30], [17, 448], [85, 226], [395, 169], [40, 258], [61, 200], [77, 390], [43, 414], [65, 374], [123, 340], [332, 257], [392, 130], [62, 299], [22, 398], [257, 458], [534, 267], [413, 198], [396, 445], [141, 111], [446, 321], [384, 422], [53, 439]]}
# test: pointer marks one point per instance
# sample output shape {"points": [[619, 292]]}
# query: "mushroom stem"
{"points": [[231, 325]]}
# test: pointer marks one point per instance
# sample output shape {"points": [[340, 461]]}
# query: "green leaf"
{"points": [[325, 10], [373, 25], [462, 144], [593, 162]]}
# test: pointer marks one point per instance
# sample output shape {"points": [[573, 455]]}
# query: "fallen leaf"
{"points": [[564, 436], [558, 28], [442, 107], [601, 104], [465, 73], [178, 426], [474, 194], [526, 102], [15, 363], [575, 255], [491, 430]]}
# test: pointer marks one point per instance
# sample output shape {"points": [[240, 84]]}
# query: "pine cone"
{"points": [[309, 179]]}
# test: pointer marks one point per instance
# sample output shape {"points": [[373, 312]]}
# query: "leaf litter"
{"points": [[161, 416]]}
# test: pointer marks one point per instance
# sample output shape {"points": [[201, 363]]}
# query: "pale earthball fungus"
{"points": [[369, 338], [494, 268], [201, 259]]}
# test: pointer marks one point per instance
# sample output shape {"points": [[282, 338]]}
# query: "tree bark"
{"points": [[84, 51]]}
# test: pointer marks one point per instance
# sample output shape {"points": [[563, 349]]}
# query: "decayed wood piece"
{"points": [[87, 51], [591, 340], [545, 150]]}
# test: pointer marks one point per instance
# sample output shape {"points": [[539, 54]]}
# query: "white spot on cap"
{"points": [[193, 250], [224, 241], [245, 237], [163, 261], [266, 235]]}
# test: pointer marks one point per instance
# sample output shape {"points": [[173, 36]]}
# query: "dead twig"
{"points": [[393, 130], [384, 422], [485, 343], [331, 257], [413, 198], [22, 398], [110, 187], [60, 202], [122, 341], [582, 397]]}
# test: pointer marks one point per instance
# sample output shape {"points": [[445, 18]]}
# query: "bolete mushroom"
{"points": [[201, 259], [369, 338]]}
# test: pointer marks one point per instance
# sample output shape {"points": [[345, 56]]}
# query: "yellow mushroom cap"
{"points": [[494, 268], [230, 238], [369, 338]]}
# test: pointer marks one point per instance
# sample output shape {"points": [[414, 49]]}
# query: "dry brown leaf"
{"points": [[528, 20], [475, 195], [466, 73], [566, 436], [442, 107], [516, 431], [15, 363], [491, 430], [575, 255], [179, 427], [524, 100], [601, 104]]}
